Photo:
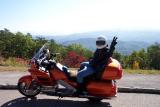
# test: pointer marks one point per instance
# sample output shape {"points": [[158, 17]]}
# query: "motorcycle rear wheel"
{"points": [[28, 91]]}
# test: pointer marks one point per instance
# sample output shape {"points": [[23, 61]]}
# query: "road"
{"points": [[128, 80], [140, 80], [12, 98]]}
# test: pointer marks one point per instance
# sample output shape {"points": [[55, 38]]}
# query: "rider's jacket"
{"points": [[99, 58]]}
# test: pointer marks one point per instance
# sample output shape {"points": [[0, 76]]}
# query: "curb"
{"points": [[8, 87], [120, 89], [138, 90]]}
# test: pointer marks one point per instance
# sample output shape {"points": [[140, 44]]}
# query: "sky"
{"points": [[75, 16]]}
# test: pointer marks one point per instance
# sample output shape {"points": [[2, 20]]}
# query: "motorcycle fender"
{"points": [[26, 78]]}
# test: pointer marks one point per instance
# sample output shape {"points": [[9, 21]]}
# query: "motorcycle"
{"points": [[57, 79]]}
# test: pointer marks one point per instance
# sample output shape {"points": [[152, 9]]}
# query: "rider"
{"points": [[96, 64], [44, 57]]}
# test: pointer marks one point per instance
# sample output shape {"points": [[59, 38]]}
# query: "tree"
{"points": [[154, 56], [16, 45], [24, 46], [6, 42], [143, 59], [117, 56], [79, 49], [120, 58], [135, 65]]}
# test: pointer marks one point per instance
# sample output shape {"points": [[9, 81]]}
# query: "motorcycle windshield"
{"points": [[40, 51]]}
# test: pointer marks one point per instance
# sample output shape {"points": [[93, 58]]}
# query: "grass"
{"points": [[126, 71], [13, 64], [134, 71], [12, 68], [12, 61], [18, 64], [140, 71]]}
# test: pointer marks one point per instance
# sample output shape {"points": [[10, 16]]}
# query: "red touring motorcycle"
{"points": [[61, 81]]}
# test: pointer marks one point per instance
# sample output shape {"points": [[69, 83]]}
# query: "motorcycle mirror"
{"points": [[57, 53], [54, 54]]}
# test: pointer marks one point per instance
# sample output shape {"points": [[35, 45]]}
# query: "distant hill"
{"points": [[144, 36], [124, 47], [128, 40]]}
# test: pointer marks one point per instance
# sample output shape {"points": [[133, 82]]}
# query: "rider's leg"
{"points": [[88, 70], [83, 64]]}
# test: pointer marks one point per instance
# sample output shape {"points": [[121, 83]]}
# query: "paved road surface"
{"points": [[12, 98], [128, 80], [140, 80]]}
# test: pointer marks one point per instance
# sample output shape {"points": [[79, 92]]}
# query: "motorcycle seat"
{"points": [[71, 74]]}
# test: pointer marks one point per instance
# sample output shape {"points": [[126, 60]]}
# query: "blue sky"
{"points": [[75, 16]]}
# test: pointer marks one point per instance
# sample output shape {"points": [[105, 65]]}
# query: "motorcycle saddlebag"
{"points": [[102, 88], [112, 71]]}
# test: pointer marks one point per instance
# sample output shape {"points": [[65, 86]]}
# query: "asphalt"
{"points": [[12, 98], [130, 83]]}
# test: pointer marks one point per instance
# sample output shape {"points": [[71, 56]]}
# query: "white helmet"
{"points": [[101, 42]]}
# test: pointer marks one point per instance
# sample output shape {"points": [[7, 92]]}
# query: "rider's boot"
{"points": [[81, 89]]}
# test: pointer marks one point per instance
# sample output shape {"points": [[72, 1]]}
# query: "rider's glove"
{"points": [[39, 61], [112, 46], [114, 42]]}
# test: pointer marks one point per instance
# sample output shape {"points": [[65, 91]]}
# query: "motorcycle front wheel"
{"points": [[28, 91]]}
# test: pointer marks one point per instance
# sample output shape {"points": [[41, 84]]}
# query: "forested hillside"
{"points": [[19, 45], [23, 46]]}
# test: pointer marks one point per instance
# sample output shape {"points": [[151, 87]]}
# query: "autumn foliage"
{"points": [[72, 59]]}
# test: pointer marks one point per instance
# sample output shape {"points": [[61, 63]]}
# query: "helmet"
{"points": [[101, 42]]}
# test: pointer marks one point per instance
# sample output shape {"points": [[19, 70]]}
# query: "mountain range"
{"points": [[128, 41], [124, 47], [145, 36]]}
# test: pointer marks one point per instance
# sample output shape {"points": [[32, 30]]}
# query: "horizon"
{"points": [[61, 35], [66, 17]]}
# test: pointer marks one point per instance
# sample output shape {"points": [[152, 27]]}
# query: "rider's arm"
{"points": [[94, 59]]}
